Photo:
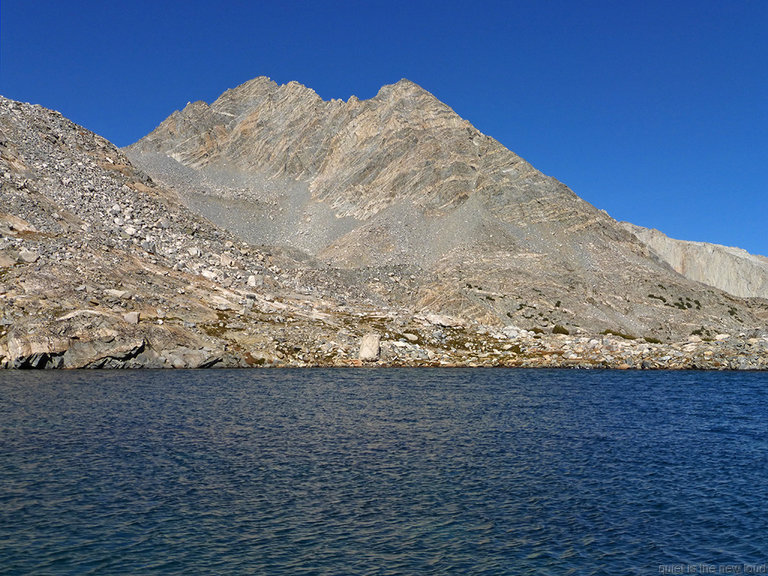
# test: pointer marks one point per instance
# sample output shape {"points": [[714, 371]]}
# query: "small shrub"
{"points": [[652, 340], [560, 330]]}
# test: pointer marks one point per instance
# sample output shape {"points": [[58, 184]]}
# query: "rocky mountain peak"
{"points": [[401, 89], [401, 180], [279, 229], [252, 90], [288, 131], [413, 104]]}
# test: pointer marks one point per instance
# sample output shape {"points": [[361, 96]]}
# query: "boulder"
{"points": [[370, 347], [107, 352], [512, 332], [184, 357], [121, 294], [131, 317], [28, 256]]}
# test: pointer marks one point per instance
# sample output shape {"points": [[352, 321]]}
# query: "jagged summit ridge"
{"points": [[359, 156], [401, 180], [239, 102]]}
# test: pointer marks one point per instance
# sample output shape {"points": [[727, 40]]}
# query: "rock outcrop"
{"points": [[370, 347], [733, 270]]}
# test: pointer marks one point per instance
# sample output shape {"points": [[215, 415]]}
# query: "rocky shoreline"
{"points": [[424, 345], [607, 352]]}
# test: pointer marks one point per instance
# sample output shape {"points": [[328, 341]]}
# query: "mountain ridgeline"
{"points": [[273, 228], [402, 180]]}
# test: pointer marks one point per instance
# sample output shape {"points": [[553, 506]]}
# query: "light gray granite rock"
{"points": [[370, 347], [731, 269]]}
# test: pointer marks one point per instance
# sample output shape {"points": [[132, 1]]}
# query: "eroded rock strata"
{"points": [[733, 270], [276, 229]]}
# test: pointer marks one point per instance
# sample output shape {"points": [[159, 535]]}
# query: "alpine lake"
{"points": [[383, 471]]}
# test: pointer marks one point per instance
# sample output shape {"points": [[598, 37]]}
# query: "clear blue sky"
{"points": [[656, 111]]}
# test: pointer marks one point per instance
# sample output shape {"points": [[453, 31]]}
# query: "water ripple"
{"points": [[381, 472]]}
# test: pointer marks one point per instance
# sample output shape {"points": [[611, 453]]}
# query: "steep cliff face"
{"points": [[731, 269]]}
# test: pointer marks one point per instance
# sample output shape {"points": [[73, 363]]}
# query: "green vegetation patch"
{"points": [[682, 304]]}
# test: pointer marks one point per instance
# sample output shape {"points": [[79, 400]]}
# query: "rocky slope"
{"points": [[100, 267], [103, 266], [733, 270]]}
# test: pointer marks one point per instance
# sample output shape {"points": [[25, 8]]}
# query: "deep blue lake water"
{"points": [[366, 471]]}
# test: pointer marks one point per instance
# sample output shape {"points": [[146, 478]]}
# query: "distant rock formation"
{"points": [[731, 269]]}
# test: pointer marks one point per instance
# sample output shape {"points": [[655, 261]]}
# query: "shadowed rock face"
{"points": [[402, 180], [731, 269]]}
